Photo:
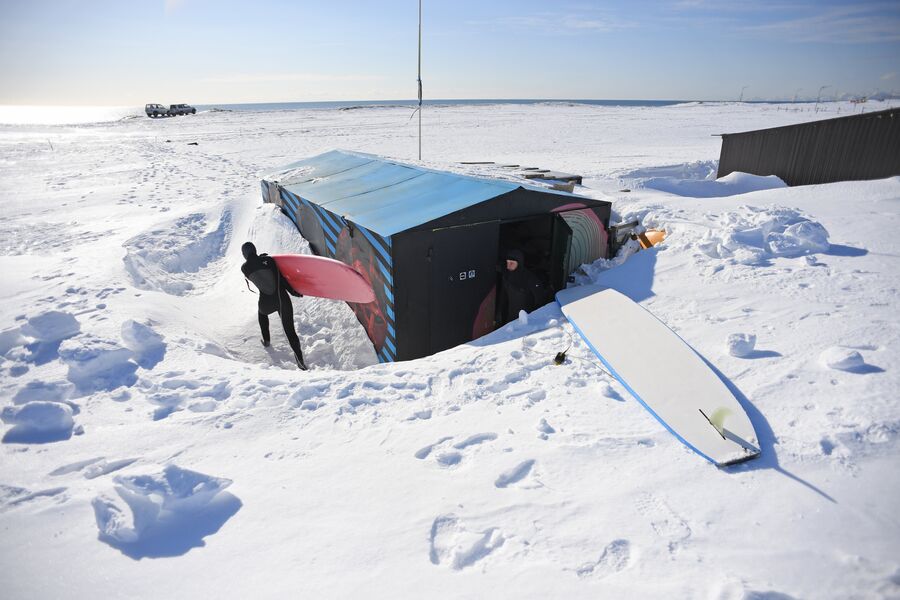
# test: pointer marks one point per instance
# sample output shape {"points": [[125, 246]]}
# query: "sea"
{"points": [[74, 115]]}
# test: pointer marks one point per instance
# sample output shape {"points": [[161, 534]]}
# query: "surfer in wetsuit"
{"points": [[520, 289], [273, 297]]}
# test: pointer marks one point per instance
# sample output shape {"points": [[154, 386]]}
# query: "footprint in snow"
{"points": [[474, 440], [422, 453], [664, 521], [615, 557], [515, 474], [15, 496], [453, 545], [453, 456]]}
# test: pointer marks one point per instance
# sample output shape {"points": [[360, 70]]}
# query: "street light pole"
{"points": [[819, 96], [741, 99], [419, 80]]}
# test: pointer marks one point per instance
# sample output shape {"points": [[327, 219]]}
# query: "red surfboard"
{"points": [[324, 278]]}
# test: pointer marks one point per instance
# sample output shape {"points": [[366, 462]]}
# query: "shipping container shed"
{"points": [[856, 147], [430, 242]]}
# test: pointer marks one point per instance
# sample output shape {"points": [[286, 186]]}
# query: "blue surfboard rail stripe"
{"points": [[390, 313], [619, 378], [389, 293], [390, 344]]}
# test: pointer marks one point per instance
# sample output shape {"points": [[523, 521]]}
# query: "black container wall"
{"points": [[865, 146]]}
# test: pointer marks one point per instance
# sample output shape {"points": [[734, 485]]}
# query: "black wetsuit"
{"points": [[273, 297], [519, 290]]}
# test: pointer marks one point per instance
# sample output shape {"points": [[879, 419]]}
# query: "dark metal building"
{"points": [[429, 241], [865, 146]]}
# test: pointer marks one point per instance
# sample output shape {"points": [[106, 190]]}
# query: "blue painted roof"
{"points": [[385, 196]]}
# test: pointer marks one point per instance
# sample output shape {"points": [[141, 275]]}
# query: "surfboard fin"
{"points": [[717, 421], [740, 442], [717, 427]]}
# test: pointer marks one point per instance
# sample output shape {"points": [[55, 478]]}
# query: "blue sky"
{"points": [[129, 52]]}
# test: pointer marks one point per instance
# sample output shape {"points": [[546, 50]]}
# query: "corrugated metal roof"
{"points": [[384, 196]]}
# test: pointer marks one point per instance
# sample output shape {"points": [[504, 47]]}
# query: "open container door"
{"points": [[560, 244]]}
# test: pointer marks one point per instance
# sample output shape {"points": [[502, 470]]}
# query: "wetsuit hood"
{"points": [[248, 250]]}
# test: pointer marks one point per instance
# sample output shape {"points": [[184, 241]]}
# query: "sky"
{"points": [[131, 52]]}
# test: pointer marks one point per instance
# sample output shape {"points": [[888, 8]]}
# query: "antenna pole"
{"points": [[420, 80]]}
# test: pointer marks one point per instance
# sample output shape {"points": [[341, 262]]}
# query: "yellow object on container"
{"points": [[651, 237]]}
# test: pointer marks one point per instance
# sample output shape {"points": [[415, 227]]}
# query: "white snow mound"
{"points": [[698, 180], [153, 500], [842, 359], [753, 235], [39, 417], [97, 364], [170, 258], [741, 344]]}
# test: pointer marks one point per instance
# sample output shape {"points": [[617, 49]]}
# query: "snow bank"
{"points": [[147, 346], [698, 180], [97, 364], [754, 235], [609, 504], [729, 185], [38, 339], [38, 423], [163, 513], [170, 258], [47, 391]]}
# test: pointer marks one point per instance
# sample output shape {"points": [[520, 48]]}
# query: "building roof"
{"points": [[385, 196]]}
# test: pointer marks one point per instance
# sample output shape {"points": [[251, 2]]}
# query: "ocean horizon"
{"points": [[75, 115]]}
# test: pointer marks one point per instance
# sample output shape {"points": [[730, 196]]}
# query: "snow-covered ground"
{"points": [[152, 448]]}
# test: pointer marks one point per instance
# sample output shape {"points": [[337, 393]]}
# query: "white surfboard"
{"points": [[662, 372]]}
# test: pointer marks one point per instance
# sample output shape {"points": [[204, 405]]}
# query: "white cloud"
{"points": [[857, 24], [563, 23], [888, 76]]}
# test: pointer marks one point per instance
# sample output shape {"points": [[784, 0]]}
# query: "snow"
{"points": [[152, 447], [37, 422], [699, 180], [741, 344], [843, 359]]}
